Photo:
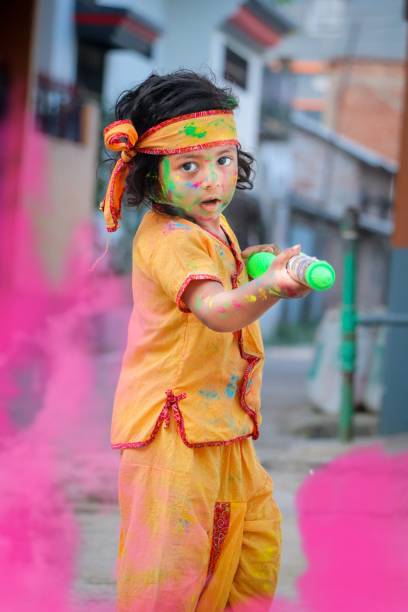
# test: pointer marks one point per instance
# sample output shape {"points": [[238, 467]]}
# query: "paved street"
{"points": [[291, 445]]}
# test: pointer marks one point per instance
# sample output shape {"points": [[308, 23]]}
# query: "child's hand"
{"points": [[279, 278], [257, 248]]}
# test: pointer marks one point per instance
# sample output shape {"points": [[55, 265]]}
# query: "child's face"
{"points": [[188, 180]]}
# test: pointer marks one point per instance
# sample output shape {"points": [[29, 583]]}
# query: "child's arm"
{"points": [[228, 311]]}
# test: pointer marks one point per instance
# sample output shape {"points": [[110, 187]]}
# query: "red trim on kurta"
{"points": [[163, 416], [252, 360], [222, 515], [172, 403]]}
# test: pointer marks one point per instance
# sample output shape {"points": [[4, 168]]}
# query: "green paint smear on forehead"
{"points": [[169, 183]]}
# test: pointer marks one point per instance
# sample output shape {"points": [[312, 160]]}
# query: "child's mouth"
{"points": [[209, 204]]}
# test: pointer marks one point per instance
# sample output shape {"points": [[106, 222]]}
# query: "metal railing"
{"points": [[349, 321]]}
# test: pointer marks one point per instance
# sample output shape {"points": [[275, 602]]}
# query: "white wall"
{"points": [[275, 176], [123, 70], [189, 28], [55, 40], [247, 115]]}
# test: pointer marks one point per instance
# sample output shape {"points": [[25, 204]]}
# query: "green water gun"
{"points": [[314, 273]]}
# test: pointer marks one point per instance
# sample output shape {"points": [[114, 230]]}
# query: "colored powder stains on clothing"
{"points": [[232, 423], [194, 266], [214, 347], [191, 130], [249, 385], [208, 393], [231, 388], [175, 225], [220, 250], [184, 524]]}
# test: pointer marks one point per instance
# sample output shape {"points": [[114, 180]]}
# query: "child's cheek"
{"points": [[230, 186]]}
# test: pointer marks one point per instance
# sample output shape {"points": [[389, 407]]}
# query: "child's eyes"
{"points": [[193, 166], [189, 166]]}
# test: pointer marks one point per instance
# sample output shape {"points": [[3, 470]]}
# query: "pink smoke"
{"points": [[353, 517], [50, 410]]}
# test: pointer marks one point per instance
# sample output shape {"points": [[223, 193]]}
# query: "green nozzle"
{"points": [[320, 275], [258, 263]]}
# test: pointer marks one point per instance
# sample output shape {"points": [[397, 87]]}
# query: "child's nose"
{"points": [[211, 178]]}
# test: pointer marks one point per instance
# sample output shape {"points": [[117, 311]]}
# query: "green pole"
{"points": [[348, 323]]}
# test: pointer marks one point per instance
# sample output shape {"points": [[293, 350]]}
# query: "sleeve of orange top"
{"points": [[178, 258]]}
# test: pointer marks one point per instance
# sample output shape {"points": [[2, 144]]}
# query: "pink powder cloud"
{"points": [[353, 517]]}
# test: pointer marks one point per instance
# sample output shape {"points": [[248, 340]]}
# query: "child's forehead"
{"points": [[207, 153]]}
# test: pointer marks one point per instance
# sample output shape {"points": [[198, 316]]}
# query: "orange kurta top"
{"points": [[174, 366]]}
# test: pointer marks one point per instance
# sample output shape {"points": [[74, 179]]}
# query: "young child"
{"points": [[200, 529]]}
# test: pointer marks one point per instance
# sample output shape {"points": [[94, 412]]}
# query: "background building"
{"points": [[331, 115]]}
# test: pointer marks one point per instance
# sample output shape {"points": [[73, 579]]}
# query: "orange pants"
{"points": [[200, 529]]}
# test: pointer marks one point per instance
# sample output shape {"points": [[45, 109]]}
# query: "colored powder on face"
{"points": [[213, 174], [195, 185], [168, 181], [250, 298]]}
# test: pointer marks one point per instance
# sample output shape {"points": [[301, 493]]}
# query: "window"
{"points": [[236, 68], [58, 109]]}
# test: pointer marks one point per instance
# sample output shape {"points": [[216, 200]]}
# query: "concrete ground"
{"points": [[294, 440]]}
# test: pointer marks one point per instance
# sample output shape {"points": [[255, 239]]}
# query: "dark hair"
{"points": [[163, 97]]}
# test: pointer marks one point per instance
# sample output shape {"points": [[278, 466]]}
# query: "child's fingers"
{"points": [[271, 248], [284, 256], [260, 248]]}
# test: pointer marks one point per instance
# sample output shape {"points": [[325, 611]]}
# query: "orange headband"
{"points": [[178, 135]]}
